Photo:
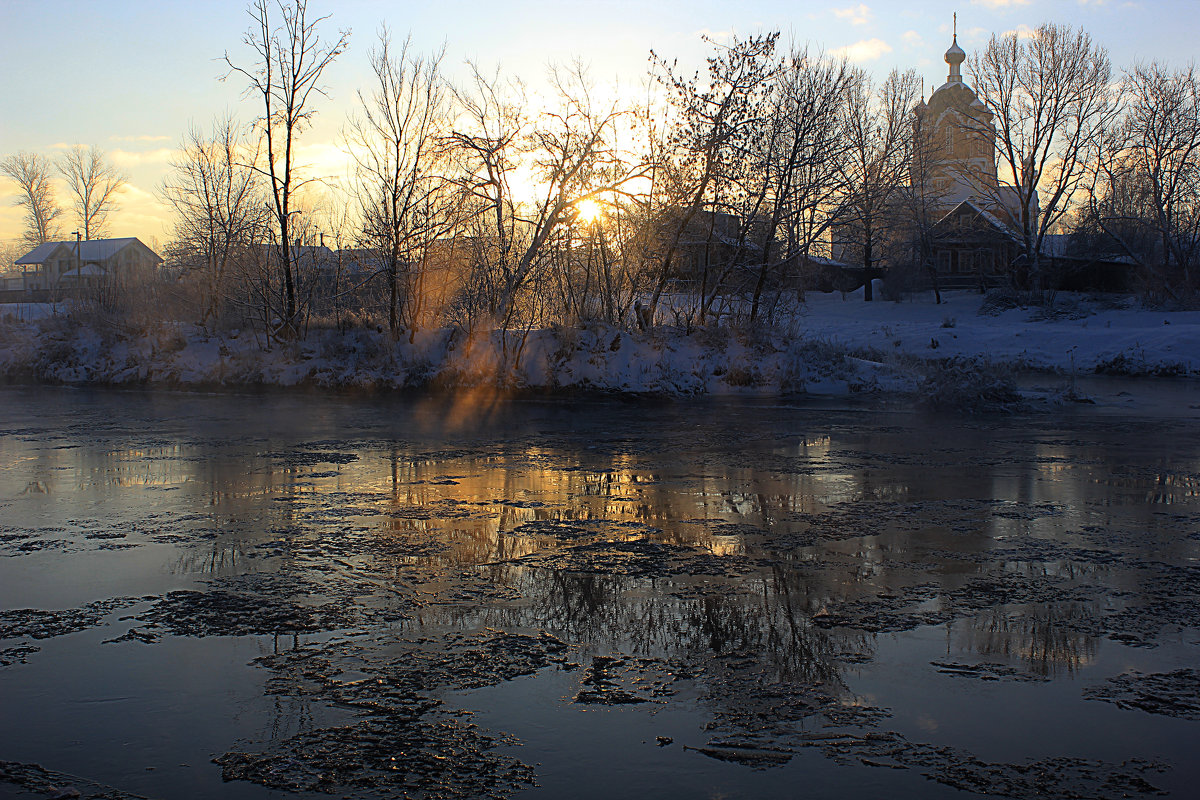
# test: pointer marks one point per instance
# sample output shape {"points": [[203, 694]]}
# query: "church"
{"points": [[972, 220], [954, 224]]}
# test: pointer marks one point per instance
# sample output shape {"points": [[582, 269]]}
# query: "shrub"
{"points": [[997, 301], [969, 384], [1135, 364], [741, 376]]}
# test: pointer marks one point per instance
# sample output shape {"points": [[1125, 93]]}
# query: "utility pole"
{"points": [[78, 268]]}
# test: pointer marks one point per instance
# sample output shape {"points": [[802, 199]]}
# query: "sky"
{"points": [[130, 76]]}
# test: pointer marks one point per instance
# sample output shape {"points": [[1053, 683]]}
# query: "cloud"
{"points": [[866, 50], [1000, 3], [1022, 32], [134, 193], [142, 138], [856, 15], [139, 213], [913, 39], [129, 158]]}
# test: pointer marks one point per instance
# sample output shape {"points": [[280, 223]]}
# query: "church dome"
{"points": [[955, 54], [955, 57]]}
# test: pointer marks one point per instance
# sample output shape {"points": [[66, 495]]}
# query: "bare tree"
{"points": [[570, 147], [395, 145], [799, 166], [878, 130], [218, 203], [1147, 197], [1051, 97], [94, 182], [32, 174], [924, 202], [10, 251], [714, 121], [290, 59]]}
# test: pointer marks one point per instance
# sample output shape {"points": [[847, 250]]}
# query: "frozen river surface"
{"points": [[297, 596]]}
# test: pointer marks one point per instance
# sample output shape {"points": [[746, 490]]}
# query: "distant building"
{"points": [[971, 219], [711, 243], [1075, 264], [957, 157], [74, 265], [972, 247], [976, 237]]}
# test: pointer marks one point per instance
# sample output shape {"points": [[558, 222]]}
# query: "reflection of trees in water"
{"points": [[1048, 638], [747, 472], [477, 520], [220, 559], [764, 616], [441, 552]]}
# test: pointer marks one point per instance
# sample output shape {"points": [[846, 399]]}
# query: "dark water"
{"points": [[270, 595]]}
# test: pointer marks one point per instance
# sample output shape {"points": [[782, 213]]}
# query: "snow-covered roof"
{"points": [[1059, 245], [986, 215], [90, 250], [39, 254], [829, 262]]}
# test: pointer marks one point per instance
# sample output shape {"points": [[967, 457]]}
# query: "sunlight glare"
{"points": [[588, 211]]}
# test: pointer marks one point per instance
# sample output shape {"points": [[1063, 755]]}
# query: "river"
{"points": [[291, 595]]}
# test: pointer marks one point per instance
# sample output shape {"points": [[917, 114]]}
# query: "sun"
{"points": [[588, 211]]}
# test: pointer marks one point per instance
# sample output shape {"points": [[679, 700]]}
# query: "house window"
{"points": [[943, 264]]}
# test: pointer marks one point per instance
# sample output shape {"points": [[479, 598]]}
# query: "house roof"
{"points": [[38, 254], [822, 261], [985, 215], [90, 250], [1061, 245]]}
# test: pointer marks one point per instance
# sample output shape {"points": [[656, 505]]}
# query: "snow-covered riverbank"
{"points": [[1078, 333], [834, 346]]}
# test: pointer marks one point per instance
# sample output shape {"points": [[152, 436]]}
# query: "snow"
{"points": [[1080, 335], [26, 311], [836, 345]]}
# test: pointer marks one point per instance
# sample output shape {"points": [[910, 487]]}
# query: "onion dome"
{"points": [[955, 57]]}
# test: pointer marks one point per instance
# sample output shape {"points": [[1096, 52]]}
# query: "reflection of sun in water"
{"points": [[589, 211]]}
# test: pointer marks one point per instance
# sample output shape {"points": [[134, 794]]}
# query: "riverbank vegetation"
{"points": [[675, 243]]}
